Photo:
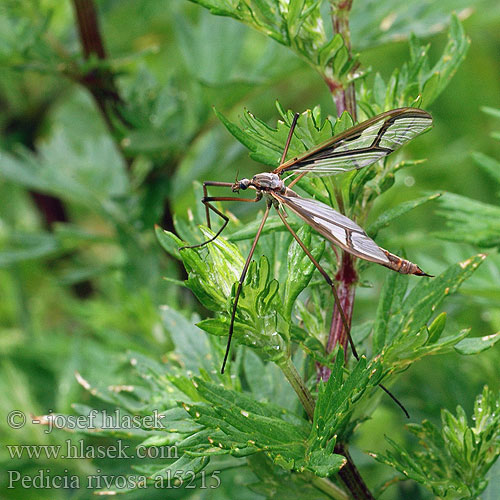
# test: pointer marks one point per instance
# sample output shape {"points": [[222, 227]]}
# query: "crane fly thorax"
{"points": [[268, 181], [261, 182]]}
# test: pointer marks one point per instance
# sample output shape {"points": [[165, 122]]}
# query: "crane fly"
{"points": [[356, 148]]}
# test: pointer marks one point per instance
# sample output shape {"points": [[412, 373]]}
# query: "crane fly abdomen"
{"points": [[403, 266]]}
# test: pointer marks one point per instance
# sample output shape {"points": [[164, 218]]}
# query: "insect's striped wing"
{"points": [[343, 232], [334, 226], [362, 145]]}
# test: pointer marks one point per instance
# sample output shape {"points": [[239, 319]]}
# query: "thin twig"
{"points": [[331, 489], [299, 386]]}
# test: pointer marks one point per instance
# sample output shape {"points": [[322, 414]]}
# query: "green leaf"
{"points": [[169, 241], [476, 345], [259, 323], [416, 83], [328, 52], [391, 299], [266, 143], [490, 165], [296, 24], [436, 328], [453, 55], [236, 423], [325, 463], [183, 468], [191, 344], [469, 221], [21, 247], [338, 397], [452, 460], [274, 481], [218, 263], [393, 213], [88, 171], [424, 298], [400, 330], [267, 383]]}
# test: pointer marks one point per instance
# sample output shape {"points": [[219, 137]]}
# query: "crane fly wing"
{"points": [[344, 232], [363, 144], [334, 226]]}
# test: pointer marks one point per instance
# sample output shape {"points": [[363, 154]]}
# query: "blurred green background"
{"points": [[81, 273]]}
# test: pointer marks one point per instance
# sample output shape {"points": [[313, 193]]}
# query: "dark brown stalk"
{"points": [[345, 100], [99, 81], [350, 476]]}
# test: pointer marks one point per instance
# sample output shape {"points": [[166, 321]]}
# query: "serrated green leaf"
{"points": [[234, 130], [424, 298], [455, 458], [244, 424]]}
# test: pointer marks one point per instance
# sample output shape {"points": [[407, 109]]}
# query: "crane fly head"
{"points": [[243, 184]]}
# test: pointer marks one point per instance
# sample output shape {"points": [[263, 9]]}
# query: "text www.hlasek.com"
{"points": [[44, 479], [79, 450]]}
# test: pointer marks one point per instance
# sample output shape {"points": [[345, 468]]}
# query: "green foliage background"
{"points": [[78, 296]]}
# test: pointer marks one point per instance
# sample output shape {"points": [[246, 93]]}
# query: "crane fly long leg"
{"points": [[327, 279], [289, 138], [240, 285], [297, 179], [220, 214], [206, 201], [205, 195], [339, 306]]}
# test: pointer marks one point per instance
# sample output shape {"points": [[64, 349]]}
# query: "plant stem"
{"points": [[298, 385], [351, 477], [99, 81], [346, 278], [345, 100], [331, 489]]}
